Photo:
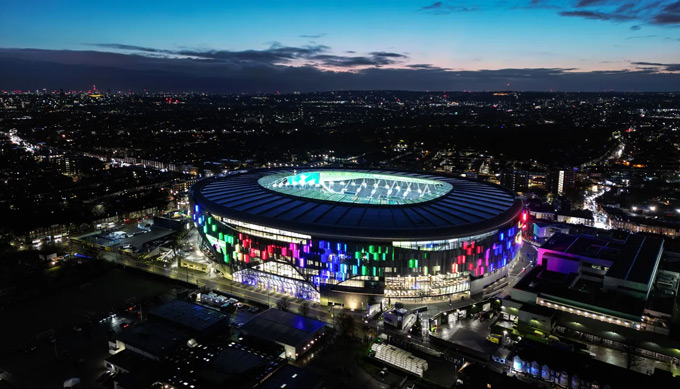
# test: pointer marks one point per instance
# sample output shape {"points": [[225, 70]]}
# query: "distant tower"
{"points": [[508, 86]]}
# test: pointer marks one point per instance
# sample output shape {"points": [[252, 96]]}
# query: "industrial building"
{"points": [[607, 288], [297, 334]]}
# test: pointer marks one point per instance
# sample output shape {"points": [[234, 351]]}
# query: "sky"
{"points": [[267, 46]]}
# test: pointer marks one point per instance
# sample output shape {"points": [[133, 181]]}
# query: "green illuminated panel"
{"points": [[357, 187]]}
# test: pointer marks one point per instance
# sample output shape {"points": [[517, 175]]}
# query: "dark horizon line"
{"points": [[277, 93]]}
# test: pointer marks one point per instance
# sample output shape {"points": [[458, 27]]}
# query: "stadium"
{"points": [[348, 236]]}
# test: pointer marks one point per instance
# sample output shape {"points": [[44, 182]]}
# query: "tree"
{"points": [[303, 309], [283, 304], [345, 323], [630, 354], [417, 328], [371, 300], [175, 245]]}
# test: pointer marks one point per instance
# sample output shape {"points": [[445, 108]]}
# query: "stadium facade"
{"points": [[344, 235]]}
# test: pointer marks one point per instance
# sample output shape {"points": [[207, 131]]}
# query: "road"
{"points": [[254, 294], [601, 219], [212, 281]]}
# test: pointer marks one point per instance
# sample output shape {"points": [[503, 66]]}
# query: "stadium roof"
{"points": [[324, 202]]}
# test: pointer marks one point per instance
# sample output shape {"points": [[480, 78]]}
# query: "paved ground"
{"points": [[339, 369], [617, 357], [200, 279], [256, 295], [141, 238]]}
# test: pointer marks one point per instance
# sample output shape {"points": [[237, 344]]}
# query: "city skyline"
{"points": [[536, 45]]}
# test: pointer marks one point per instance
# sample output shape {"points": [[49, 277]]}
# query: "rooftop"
{"points": [[154, 338], [129, 360], [633, 258], [555, 286], [188, 315], [283, 327]]}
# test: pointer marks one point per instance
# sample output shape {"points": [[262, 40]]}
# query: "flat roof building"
{"points": [[608, 287], [294, 332], [192, 317], [626, 266], [151, 339]]}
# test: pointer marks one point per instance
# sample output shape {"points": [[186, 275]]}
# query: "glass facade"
{"points": [[299, 264]]}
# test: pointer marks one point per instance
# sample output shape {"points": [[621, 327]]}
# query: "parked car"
{"points": [[493, 338]]}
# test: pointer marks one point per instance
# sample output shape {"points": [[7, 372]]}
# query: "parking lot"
{"points": [[471, 333], [129, 237]]}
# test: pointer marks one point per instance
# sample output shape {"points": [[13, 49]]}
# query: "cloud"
{"points": [[669, 14], [383, 54], [313, 36], [54, 69], [379, 58], [596, 15], [440, 8], [276, 54], [587, 3], [422, 66], [625, 7], [437, 5], [119, 46], [641, 37], [659, 12], [635, 28], [669, 67]]}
